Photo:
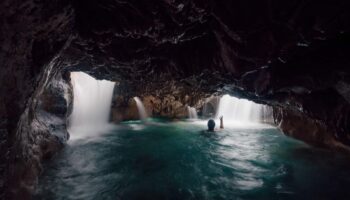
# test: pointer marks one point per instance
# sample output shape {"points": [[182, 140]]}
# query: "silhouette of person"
{"points": [[211, 125]]}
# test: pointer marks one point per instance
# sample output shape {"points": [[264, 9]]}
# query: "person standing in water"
{"points": [[211, 124]]}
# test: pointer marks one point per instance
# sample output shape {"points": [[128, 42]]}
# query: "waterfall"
{"points": [[91, 105], [267, 114], [192, 113], [241, 110], [141, 108]]}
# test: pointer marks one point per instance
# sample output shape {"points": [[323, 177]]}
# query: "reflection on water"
{"points": [[178, 161]]}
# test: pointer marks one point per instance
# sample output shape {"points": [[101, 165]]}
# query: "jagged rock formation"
{"points": [[293, 55], [43, 131], [315, 132], [210, 106], [169, 100], [165, 106]]}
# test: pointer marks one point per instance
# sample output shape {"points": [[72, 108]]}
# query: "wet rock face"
{"points": [[210, 106], [293, 55], [169, 101], [310, 130], [55, 106], [32, 34], [167, 107], [326, 109], [44, 129]]}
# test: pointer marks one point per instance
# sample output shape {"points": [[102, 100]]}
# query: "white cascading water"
{"points": [[141, 108], [91, 105], [240, 110], [267, 114], [192, 113]]}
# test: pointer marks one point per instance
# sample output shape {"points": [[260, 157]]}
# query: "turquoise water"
{"points": [[178, 160]]}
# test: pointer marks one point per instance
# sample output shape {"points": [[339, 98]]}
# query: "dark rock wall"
{"points": [[295, 124], [32, 33], [327, 110], [40, 133]]}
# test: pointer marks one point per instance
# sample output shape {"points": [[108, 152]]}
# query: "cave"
{"points": [[171, 60]]}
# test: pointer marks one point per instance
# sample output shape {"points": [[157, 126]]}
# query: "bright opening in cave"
{"points": [[237, 110]]}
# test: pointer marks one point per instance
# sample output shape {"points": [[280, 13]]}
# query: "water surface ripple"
{"points": [[181, 161]]}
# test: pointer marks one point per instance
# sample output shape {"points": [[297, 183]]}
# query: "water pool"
{"points": [[178, 160]]}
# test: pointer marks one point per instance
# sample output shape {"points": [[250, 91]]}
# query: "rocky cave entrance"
{"points": [[54, 105], [173, 54]]}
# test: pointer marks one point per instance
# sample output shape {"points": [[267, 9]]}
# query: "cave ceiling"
{"points": [[263, 47], [276, 52]]}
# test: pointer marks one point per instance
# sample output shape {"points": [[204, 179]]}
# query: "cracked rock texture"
{"points": [[169, 100]]}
